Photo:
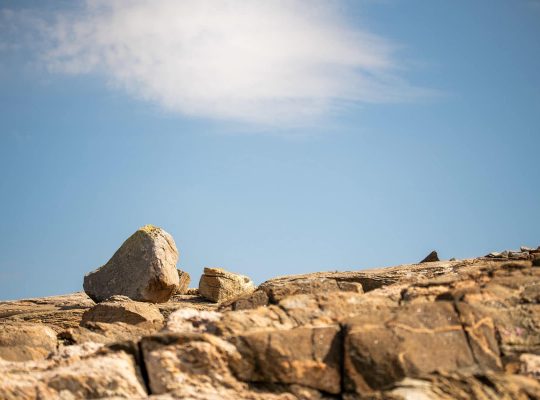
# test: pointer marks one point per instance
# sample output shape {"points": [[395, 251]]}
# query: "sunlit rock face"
{"points": [[143, 269], [219, 285], [462, 329]]}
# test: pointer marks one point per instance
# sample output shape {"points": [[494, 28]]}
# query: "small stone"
{"points": [[219, 285], [192, 291], [143, 269], [184, 281], [431, 257]]}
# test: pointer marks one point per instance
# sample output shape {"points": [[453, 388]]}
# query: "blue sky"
{"points": [[286, 138]]}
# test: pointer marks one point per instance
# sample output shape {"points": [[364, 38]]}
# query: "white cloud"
{"points": [[257, 61]]}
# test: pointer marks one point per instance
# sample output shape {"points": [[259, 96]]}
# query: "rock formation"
{"points": [[183, 282], [143, 269], [219, 285], [463, 329]]}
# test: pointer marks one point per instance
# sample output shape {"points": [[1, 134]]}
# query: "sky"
{"points": [[268, 137]]}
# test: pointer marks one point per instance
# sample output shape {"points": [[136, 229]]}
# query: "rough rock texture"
{"points": [[467, 329], [123, 309], [183, 282], [23, 342], [219, 285], [58, 312], [143, 269], [84, 373]]}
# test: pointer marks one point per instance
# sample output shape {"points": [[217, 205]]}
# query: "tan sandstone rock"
{"points": [[26, 341], [183, 282], [80, 373], [219, 285], [123, 309], [143, 269]]}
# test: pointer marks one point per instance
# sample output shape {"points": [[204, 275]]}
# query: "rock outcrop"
{"points": [[143, 269], [464, 329], [219, 285]]}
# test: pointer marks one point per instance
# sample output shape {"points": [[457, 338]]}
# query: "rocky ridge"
{"points": [[463, 329]]}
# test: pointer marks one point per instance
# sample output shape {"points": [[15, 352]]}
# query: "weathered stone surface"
{"points": [[274, 290], [189, 320], [84, 373], [105, 333], [307, 356], [183, 282], [198, 367], [383, 348], [461, 386], [175, 361], [23, 342], [465, 329], [219, 285], [123, 309], [143, 269], [57, 312]]}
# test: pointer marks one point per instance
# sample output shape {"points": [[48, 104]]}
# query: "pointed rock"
{"points": [[143, 269], [431, 257]]}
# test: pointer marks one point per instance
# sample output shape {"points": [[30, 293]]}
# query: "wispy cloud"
{"points": [[270, 62]]}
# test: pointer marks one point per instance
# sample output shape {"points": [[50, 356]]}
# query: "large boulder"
{"points": [[143, 269], [219, 285], [26, 341]]}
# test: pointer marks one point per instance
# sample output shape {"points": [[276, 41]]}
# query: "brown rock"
{"points": [[307, 356], [123, 309], [57, 312], [25, 341], [184, 281], [79, 373], [353, 281], [463, 386], [143, 269], [383, 348], [219, 285]]}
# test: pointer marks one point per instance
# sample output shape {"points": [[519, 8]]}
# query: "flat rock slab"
{"points": [[123, 309], [143, 269]]}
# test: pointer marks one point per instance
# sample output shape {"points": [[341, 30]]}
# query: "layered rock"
{"points": [[143, 269], [465, 329], [219, 285]]}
